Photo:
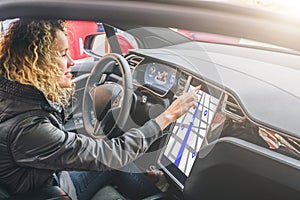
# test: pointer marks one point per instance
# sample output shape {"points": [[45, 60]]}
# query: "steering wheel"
{"points": [[101, 97]]}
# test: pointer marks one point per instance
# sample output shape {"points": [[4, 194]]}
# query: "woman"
{"points": [[35, 87]]}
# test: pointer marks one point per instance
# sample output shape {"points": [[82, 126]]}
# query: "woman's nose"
{"points": [[70, 61]]}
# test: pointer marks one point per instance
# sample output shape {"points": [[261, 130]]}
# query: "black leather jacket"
{"points": [[34, 143]]}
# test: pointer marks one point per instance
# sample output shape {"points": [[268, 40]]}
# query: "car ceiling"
{"points": [[203, 16]]}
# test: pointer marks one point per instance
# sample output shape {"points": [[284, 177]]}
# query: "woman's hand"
{"points": [[180, 106]]}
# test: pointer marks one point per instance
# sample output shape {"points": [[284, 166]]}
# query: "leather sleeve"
{"points": [[37, 143]]}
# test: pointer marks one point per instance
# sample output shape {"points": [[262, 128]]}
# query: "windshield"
{"points": [[222, 39], [289, 7]]}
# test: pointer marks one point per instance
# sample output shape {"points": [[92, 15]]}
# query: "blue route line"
{"points": [[186, 137]]}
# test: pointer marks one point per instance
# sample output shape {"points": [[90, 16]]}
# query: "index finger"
{"points": [[196, 89]]}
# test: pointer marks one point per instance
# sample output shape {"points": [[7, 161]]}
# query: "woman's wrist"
{"points": [[164, 119]]}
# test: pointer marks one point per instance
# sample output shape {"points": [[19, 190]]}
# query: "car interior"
{"points": [[242, 141]]}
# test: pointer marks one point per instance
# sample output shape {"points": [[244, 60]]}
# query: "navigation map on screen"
{"points": [[189, 132]]}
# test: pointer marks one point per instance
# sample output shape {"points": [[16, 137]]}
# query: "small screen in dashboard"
{"points": [[160, 76], [187, 136]]}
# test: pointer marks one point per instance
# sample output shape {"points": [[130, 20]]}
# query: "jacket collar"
{"points": [[27, 93]]}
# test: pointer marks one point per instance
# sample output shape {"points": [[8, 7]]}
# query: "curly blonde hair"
{"points": [[28, 55]]}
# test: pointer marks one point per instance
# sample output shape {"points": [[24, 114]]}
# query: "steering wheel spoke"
{"points": [[91, 92]]}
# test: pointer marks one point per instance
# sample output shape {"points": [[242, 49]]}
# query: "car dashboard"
{"points": [[225, 105], [241, 102], [248, 79]]}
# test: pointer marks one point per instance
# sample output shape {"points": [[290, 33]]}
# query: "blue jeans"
{"points": [[129, 182]]}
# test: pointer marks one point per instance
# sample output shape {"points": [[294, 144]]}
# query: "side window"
{"points": [[125, 40], [78, 30]]}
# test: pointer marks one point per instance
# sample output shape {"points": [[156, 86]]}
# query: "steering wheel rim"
{"points": [[92, 82]]}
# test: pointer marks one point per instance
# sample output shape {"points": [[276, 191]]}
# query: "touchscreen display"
{"points": [[187, 137]]}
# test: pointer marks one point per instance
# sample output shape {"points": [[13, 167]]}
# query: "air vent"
{"points": [[232, 109], [134, 60]]}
